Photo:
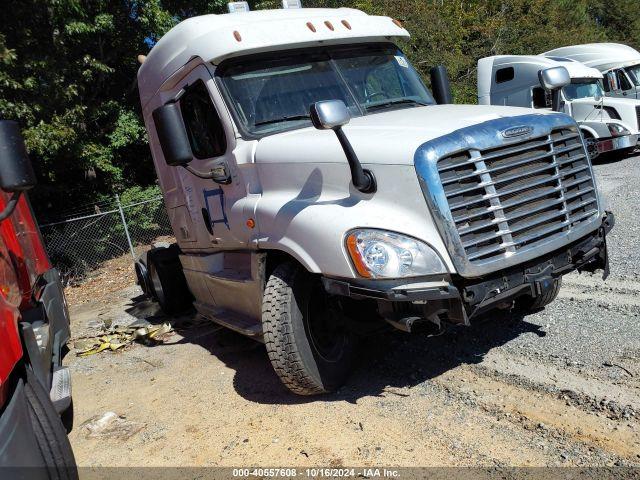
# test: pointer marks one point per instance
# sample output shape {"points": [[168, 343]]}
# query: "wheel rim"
{"points": [[157, 285], [592, 147], [326, 327]]}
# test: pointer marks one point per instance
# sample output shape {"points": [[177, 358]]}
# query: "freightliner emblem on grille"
{"points": [[517, 131]]}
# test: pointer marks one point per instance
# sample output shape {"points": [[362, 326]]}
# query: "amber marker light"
{"points": [[398, 23], [237, 35], [251, 223], [329, 25], [311, 27], [352, 246], [346, 24]]}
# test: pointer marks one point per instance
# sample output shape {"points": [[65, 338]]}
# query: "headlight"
{"points": [[617, 130], [382, 254]]}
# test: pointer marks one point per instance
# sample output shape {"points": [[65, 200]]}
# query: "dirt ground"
{"points": [[560, 387]]}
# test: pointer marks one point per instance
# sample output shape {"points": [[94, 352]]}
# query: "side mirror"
{"points": [[554, 78], [16, 171], [172, 135], [329, 115], [612, 78], [440, 85], [333, 115]]}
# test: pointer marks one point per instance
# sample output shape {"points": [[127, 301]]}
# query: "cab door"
{"points": [[205, 219], [621, 85]]}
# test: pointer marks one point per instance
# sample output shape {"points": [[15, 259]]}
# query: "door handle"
{"points": [[220, 172]]}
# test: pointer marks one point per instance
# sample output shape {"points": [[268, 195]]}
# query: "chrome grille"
{"points": [[512, 197]]}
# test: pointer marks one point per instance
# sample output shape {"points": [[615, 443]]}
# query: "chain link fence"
{"points": [[79, 245]]}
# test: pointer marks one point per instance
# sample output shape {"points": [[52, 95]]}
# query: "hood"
{"points": [[383, 138], [621, 102], [586, 109]]}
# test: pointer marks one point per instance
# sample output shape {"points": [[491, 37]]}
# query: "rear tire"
{"points": [[528, 304], [305, 332], [167, 281], [49, 431]]}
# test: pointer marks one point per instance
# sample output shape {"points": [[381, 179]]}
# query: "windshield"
{"points": [[634, 74], [275, 93], [582, 88]]}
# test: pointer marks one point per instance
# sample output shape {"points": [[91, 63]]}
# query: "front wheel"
{"points": [[592, 145], [49, 431], [305, 332], [530, 304]]}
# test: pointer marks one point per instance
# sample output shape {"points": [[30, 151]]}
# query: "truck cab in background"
{"points": [[619, 63], [607, 124], [35, 389], [319, 191]]}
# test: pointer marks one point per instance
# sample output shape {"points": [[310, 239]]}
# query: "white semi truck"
{"points": [[514, 80], [317, 189], [620, 65]]}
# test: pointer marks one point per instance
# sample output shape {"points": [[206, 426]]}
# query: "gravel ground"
{"points": [[557, 388]]}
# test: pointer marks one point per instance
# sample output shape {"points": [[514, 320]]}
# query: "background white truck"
{"points": [[620, 65], [316, 189], [607, 124]]}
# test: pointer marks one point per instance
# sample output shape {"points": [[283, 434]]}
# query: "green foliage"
{"points": [[68, 67], [67, 74], [143, 216], [146, 217], [458, 33]]}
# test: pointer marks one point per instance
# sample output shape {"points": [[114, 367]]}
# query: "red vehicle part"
{"points": [[10, 298], [25, 246]]}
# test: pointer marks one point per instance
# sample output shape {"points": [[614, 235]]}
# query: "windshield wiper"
{"points": [[283, 119], [391, 103]]}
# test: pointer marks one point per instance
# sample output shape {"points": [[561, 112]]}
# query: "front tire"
{"points": [[530, 304], [591, 144], [49, 431], [305, 332]]}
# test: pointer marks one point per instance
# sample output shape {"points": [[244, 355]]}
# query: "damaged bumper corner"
{"points": [[457, 300]]}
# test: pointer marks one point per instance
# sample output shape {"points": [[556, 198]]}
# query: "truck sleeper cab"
{"points": [[317, 189], [608, 125], [619, 63]]}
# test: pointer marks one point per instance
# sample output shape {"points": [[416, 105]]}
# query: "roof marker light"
{"points": [[346, 24], [291, 3], [311, 27], [398, 23], [237, 36], [329, 25], [237, 7]]}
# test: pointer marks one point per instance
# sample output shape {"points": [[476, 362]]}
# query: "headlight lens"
{"points": [[617, 130], [382, 254]]}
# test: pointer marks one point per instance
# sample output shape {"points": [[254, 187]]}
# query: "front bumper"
{"points": [[461, 299], [617, 143]]}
